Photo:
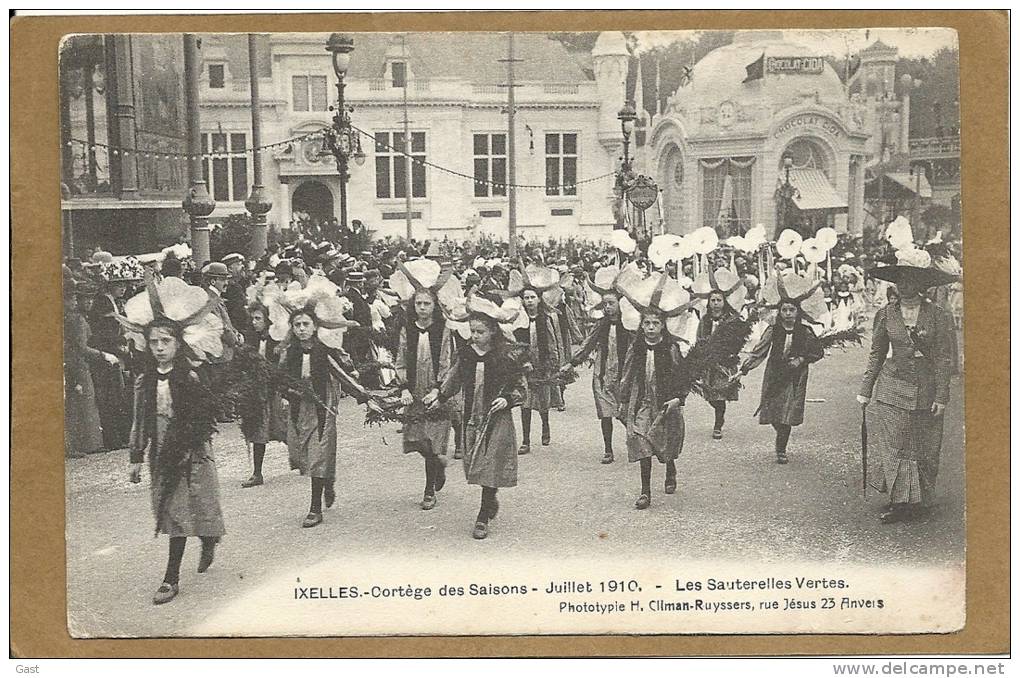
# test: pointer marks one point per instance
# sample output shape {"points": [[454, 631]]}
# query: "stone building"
{"points": [[566, 130], [719, 149]]}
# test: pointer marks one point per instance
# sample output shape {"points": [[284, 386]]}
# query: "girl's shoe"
{"points": [[643, 502], [311, 520], [428, 502], [481, 530], [165, 593], [781, 457], [524, 449], [670, 486], [717, 434], [607, 458]]}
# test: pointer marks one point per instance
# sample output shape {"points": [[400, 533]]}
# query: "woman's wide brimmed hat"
{"points": [[128, 269], [188, 307], [722, 280], [794, 288], [319, 299], [419, 274], [915, 265], [658, 293]]}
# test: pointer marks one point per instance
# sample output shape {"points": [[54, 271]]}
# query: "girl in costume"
{"points": [[174, 418], [790, 346], [721, 334], [424, 351], [906, 386], [539, 290], [309, 324], [489, 374], [655, 381], [609, 340], [265, 420]]}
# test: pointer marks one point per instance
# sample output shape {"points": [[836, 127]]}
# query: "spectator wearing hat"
{"points": [[234, 292], [905, 388], [216, 277], [111, 379]]}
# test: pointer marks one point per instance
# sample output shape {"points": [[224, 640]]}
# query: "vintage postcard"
{"points": [[513, 333]]}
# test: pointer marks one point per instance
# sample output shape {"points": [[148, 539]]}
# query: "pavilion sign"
{"points": [[809, 120], [801, 64]]}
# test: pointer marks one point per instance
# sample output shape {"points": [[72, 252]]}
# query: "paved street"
{"points": [[733, 502]]}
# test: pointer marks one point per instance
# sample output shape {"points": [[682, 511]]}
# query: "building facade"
{"points": [[567, 136], [122, 140], [755, 115]]}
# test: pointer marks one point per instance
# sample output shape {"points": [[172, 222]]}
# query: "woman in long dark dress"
{"points": [[905, 390], [83, 433], [174, 419], [112, 379], [790, 346], [489, 376]]}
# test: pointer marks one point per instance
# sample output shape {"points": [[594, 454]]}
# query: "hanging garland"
{"points": [[115, 151]]}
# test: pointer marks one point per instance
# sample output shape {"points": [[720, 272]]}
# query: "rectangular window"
{"points": [[490, 165], [391, 165], [309, 92], [399, 72], [561, 164], [318, 97], [227, 176], [216, 76], [238, 167], [299, 84]]}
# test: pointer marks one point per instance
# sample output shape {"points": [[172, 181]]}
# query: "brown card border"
{"points": [[38, 591]]}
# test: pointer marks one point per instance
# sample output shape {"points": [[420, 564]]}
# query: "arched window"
{"points": [[807, 154]]}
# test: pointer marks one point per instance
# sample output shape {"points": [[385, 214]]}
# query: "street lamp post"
{"points": [[625, 175], [784, 197], [342, 141]]}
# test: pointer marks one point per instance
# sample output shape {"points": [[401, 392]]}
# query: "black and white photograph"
{"points": [[512, 333]]}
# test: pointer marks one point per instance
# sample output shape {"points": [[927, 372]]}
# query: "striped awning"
{"points": [[814, 192]]}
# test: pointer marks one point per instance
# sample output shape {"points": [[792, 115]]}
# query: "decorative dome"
{"points": [[720, 74], [610, 43]]}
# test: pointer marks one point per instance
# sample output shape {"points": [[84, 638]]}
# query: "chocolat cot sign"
{"points": [[795, 64], [811, 121]]}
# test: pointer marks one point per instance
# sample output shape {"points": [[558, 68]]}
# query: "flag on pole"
{"points": [[756, 69]]}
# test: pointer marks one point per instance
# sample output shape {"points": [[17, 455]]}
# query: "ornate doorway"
{"points": [[314, 199]]}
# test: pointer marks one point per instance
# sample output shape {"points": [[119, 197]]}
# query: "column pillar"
{"points": [[258, 203], [124, 112], [197, 202]]}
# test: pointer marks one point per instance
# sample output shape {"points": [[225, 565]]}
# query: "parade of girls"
{"points": [[444, 343]]}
